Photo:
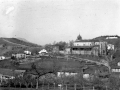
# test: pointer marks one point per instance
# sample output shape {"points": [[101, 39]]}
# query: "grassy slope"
{"points": [[20, 42], [8, 88], [115, 42], [49, 64], [61, 65], [14, 42]]}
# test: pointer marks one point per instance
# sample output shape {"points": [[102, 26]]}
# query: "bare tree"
{"points": [[38, 72]]}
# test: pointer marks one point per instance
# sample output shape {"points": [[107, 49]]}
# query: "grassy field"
{"points": [[50, 63], [18, 89], [25, 89]]}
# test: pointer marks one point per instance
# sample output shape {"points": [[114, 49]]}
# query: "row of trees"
{"points": [[113, 83], [62, 44]]}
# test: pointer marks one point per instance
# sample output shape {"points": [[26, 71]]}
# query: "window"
{"points": [[118, 63], [117, 70], [113, 70]]}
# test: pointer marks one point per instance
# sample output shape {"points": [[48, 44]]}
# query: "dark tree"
{"points": [[48, 47], [61, 45], [114, 83], [71, 43], [39, 71]]}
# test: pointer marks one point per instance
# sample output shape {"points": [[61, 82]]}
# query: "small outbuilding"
{"points": [[2, 57], [43, 52], [27, 52]]}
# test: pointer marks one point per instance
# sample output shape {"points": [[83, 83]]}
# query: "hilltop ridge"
{"points": [[17, 42], [110, 39], [15, 45]]}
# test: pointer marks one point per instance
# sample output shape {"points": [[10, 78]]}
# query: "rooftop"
{"points": [[89, 40], [84, 46]]}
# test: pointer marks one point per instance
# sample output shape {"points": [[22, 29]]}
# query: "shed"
{"points": [[42, 51], [27, 52], [2, 57]]}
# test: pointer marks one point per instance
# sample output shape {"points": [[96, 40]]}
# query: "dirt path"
{"points": [[88, 60]]}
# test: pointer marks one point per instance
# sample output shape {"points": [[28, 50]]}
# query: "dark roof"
{"points": [[115, 67], [85, 40], [89, 40], [82, 46], [73, 70]]}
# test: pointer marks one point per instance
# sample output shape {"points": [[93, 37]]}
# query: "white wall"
{"points": [[83, 43], [61, 74], [115, 70]]}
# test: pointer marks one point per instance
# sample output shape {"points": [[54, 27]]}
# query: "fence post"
{"points": [[93, 88], [54, 85], [42, 86], [48, 86], [31, 85], [20, 84], [83, 87], [66, 87], [60, 86], [74, 86], [37, 83], [106, 87], [15, 85]]}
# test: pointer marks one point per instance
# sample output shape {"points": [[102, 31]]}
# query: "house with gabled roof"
{"points": [[89, 47]]}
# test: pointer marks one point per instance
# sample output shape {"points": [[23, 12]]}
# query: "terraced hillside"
{"points": [[15, 41], [111, 39], [14, 45]]}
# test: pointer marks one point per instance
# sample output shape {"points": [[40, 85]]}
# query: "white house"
{"points": [[110, 47], [5, 77], [2, 57], [118, 63], [68, 50], [86, 76], [62, 74], [43, 51], [27, 52], [115, 70], [83, 43], [112, 37]]}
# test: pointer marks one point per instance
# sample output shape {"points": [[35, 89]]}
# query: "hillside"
{"points": [[16, 41], [14, 45], [110, 39]]}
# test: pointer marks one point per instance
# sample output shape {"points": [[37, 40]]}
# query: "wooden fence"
{"points": [[53, 87]]}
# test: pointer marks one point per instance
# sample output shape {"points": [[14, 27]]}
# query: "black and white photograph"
{"points": [[59, 44]]}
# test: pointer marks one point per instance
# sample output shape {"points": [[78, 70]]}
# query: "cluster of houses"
{"points": [[80, 47], [87, 47], [7, 74], [93, 47], [28, 53]]}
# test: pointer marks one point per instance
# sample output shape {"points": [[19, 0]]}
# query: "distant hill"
{"points": [[22, 39], [15, 45], [17, 42], [107, 37], [111, 39]]}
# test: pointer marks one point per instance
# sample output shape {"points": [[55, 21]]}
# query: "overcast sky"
{"points": [[46, 21]]}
